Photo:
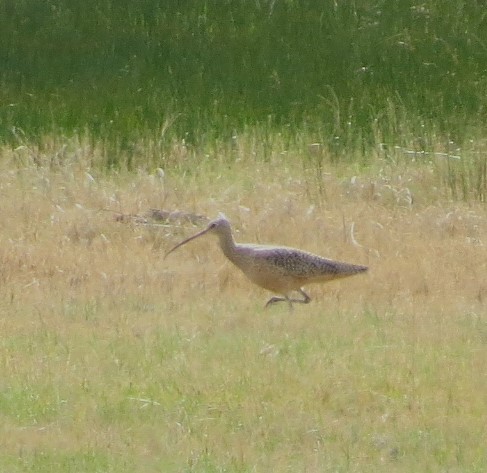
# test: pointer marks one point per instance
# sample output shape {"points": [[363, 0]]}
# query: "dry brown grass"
{"points": [[115, 360]]}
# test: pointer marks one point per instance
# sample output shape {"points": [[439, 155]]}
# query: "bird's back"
{"points": [[306, 265], [292, 263]]}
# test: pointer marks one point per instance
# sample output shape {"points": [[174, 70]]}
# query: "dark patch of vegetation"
{"points": [[346, 73]]}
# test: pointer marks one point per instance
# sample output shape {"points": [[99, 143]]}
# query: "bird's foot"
{"points": [[273, 300]]}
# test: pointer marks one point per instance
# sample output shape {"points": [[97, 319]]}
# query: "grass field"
{"points": [[354, 130], [114, 359], [349, 75]]}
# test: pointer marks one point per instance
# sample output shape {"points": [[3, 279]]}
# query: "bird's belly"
{"points": [[272, 281]]}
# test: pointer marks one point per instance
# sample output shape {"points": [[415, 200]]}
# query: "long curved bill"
{"points": [[186, 241]]}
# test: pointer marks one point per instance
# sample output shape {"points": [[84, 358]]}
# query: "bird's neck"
{"points": [[228, 245]]}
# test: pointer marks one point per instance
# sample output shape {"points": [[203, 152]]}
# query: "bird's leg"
{"points": [[306, 299], [275, 299]]}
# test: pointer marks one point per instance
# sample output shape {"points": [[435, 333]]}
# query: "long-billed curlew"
{"points": [[281, 270]]}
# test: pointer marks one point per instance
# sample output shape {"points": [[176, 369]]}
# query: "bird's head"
{"points": [[220, 226]]}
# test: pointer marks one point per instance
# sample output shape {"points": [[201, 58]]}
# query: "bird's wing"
{"points": [[297, 263]]}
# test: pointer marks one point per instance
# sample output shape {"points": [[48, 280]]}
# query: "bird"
{"points": [[279, 269]]}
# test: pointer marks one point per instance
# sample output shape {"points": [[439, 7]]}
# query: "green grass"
{"points": [[41, 462], [376, 392], [349, 76]]}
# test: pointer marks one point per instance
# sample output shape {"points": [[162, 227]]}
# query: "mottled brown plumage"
{"points": [[281, 270]]}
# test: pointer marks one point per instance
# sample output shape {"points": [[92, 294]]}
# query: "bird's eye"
{"points": [[212, 225]]}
